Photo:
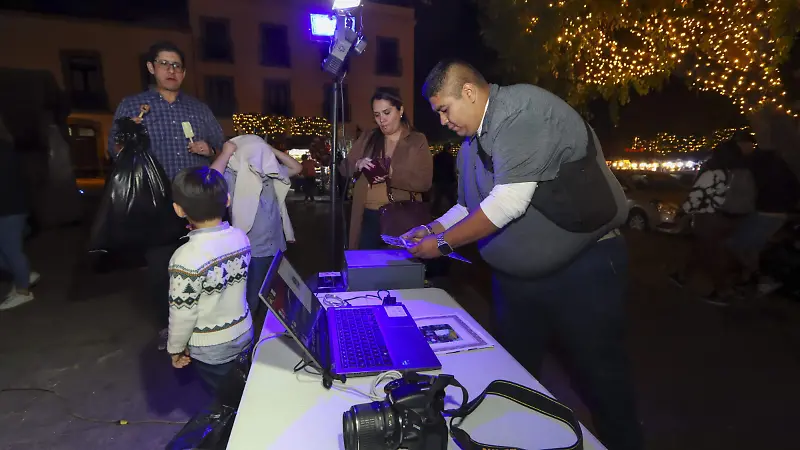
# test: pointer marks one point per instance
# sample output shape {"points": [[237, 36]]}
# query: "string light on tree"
{"points": [[273, 126], [665, 143], [732, 47]]}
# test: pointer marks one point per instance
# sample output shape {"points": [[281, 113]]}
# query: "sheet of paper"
{"points": [[451, 334], [395, 311]]}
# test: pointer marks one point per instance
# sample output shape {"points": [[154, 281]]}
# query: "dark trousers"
{"points": [[582, 308], [370, 237], [709, 253], [309, 187], [158, 279], [213, 374], [259, 266]]}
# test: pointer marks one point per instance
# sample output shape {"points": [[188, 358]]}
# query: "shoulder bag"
{"points": [[397, 217]]}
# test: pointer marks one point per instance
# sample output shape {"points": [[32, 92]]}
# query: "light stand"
{"points": [[333, 173], [347, 38]]}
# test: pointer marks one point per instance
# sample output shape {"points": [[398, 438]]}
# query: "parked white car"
{"points": [[655, 199]]}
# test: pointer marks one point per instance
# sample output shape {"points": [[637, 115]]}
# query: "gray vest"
{"points": [[533, 246]]}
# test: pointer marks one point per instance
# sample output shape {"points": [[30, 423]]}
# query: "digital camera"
{"points": [[410, 417]]}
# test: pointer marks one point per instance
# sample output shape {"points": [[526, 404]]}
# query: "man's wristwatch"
{"points": [[444, 248]]}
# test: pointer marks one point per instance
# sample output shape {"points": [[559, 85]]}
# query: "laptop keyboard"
{"points": [[361, 343]]}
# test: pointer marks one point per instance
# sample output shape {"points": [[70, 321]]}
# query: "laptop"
{"points": [[347, 340]]}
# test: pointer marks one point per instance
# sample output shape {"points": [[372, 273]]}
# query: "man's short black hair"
{"points": [[448, 76], [165, 46], [202, 193]]}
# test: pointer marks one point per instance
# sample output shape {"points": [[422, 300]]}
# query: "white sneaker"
{"points": [[34, 278], [15, 299]]}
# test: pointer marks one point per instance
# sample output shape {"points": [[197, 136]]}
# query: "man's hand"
{"points": [[137, 119], [200, 148], [415, 235], [427, 248], [181, 360]]}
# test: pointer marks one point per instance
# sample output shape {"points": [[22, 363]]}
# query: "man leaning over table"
{"points": [[168, 109], [547, 281]]}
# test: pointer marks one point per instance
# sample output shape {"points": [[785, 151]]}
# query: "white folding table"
{"points": [[284, 410]]}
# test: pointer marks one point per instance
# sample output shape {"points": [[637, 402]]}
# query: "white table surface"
{"points": [[283, 410]]}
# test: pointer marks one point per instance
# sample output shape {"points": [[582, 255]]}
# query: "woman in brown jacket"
{"points": [[410, 168]]}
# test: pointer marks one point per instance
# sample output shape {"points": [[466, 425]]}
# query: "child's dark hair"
{"points": [[202, 193]]}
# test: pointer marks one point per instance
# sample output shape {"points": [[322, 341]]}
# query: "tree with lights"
{"points": [[583, 49]]}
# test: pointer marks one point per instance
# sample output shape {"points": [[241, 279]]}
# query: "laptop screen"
{"points": [[291, 300]]}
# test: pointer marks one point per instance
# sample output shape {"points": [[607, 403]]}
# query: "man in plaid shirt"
{"points": [[167, 109]]}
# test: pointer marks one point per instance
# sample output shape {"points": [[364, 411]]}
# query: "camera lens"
{"points": [[368, 426]]}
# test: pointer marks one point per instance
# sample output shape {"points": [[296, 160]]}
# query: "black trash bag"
{"points": [[136, 211], [210, 429]]}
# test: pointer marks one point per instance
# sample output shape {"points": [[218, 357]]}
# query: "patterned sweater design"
{"points": [[207, 303]]}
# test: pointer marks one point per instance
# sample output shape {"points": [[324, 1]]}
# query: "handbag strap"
{"points": [[391, 196], [521, 395]]}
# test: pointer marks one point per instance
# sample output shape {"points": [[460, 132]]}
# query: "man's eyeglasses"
{"points": [[176, 66]]}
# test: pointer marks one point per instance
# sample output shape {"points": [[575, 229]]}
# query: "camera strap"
{"points": [[521, 395]]}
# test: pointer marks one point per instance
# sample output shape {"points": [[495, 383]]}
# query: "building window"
{"points": [[327, 104], [221, 96], [278, 98], [388, 60], [391, 90], [275, 50], [148, 80], [215, 38], [83, 80]]}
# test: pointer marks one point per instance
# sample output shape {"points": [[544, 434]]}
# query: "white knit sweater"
{"points": [[207, 303]]}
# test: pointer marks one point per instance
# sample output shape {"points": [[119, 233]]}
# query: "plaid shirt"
{"points": [[163, 123]]}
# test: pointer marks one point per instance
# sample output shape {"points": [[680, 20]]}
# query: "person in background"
{"points": [[778, 193], [14, 209], [266, 235], [309, 174], [711, 225], [410, 166], [209, 321], [169, 109], [548, 282]]}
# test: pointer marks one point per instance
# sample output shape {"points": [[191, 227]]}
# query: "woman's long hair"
{"points": [[376, 144], [726, 156]]}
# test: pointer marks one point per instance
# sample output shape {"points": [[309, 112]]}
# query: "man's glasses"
{"points": [[176, 66]]}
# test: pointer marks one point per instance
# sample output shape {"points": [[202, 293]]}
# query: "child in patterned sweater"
{"points": [[209, 321]]}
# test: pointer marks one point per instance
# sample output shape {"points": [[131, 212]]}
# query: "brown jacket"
{"points": [[412, 173]]}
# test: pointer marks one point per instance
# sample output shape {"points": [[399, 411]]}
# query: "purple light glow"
{"points": [[323, 25]]}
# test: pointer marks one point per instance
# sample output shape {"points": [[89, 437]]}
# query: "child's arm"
{"points": [[185, 287], [219, 164], [292, 166]]}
